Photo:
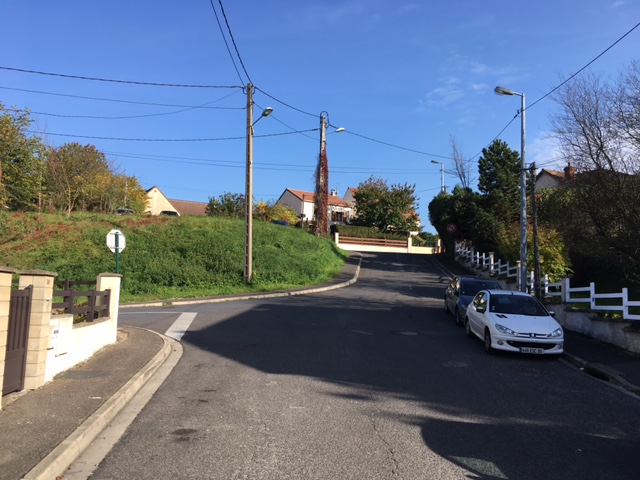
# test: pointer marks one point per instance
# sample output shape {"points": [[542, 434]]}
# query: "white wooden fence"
{"points": [[630, 309]]}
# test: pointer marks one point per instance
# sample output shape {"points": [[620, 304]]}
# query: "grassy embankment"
{"points": [[167, 258]]}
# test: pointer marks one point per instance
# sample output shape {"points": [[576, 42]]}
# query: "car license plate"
{"points": [[531, 350]]}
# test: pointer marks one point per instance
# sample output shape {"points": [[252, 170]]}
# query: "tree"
{"points": [[22, 172], [76, 176], [461, 165], [597, 129], [456, 216], [122, 191], [227, 205], [275, 211], [499, 186], [388, 208], [499, 181]]}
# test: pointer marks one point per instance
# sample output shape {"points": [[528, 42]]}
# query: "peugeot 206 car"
{"points": [[460, 292], [514, 322]]}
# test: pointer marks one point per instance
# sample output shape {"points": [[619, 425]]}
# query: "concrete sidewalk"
{"points": [[43, 431]]}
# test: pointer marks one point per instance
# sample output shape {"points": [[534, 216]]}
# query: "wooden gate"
{"points": [[17, 337]]}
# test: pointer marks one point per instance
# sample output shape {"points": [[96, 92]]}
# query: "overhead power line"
{"points": [[102, 99], [224, 38], [233, 40], [397, 146], [130, 82], [171, 139], [585, 67]]}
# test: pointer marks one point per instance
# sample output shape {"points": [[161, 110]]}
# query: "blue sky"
{"points": [[402, 77]]}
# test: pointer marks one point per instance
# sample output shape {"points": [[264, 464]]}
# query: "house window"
{"points": [[337, 216]]}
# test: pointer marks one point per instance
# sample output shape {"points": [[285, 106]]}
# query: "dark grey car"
{"points": [[460, 292]]}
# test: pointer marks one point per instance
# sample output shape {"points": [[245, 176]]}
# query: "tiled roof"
{"points": [[310, 197], [186, 207], [553, 173]]}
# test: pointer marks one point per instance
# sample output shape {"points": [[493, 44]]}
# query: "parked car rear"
{"points": [[460, 292]]}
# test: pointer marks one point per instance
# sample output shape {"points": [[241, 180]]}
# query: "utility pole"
{"points": [[523, 199], [248, 196], [322, 182]]}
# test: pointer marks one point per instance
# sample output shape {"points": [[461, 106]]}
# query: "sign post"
{"points": [[116, 243]]}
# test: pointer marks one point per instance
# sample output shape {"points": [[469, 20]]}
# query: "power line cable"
{"points": [[129, 82], [170, 139], [102, 99], [563, 83], [286, 104], [281, 122], [397, 146], [215, 12], [233, 40], [585, 67], [96, 117], [265, 165]]}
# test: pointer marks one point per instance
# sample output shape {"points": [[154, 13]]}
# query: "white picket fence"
{"points": [[562, 289]]}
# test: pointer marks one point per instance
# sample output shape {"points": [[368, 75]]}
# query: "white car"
{"points": [[514, 322]]}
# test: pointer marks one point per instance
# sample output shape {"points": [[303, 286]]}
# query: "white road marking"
{"points": [[362, 332], [180, 326]]}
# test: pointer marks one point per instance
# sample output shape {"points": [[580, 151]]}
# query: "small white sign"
{"points": [[111, 240]]}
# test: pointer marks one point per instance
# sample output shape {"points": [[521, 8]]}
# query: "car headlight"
{"points": [[556, 333], [504, 330]]}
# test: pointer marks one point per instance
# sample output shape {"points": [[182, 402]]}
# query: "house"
{"points": [[553, 178], [340, 211], [159, 204], [350, 196]]}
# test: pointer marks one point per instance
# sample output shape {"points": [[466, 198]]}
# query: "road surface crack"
{"points": [[389, 448]]}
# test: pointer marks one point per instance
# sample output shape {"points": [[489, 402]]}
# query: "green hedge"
{"points": [[366, 232]]}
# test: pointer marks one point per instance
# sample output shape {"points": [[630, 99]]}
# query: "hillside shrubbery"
{"points": [[167, 257]]}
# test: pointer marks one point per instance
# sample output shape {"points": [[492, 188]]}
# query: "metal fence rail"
{"points": [[93, 303]]}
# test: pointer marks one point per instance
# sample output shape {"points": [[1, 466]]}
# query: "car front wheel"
{"points": [[487, 342]]}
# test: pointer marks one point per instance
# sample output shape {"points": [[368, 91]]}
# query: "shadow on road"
{"points": [[387, 338]]}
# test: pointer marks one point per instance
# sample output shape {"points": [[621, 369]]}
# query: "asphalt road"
{"points": [[372, 381]]}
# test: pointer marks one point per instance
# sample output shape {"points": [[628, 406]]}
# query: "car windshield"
{"points": [[517, 305], [470, 288]]}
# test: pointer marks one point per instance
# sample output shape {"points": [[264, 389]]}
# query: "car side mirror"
{"points": [[481, 309], [552, 313]]}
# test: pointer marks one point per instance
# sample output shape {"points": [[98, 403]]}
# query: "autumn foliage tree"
{"points": [[389, 208], [71, 177], [22, 162]]}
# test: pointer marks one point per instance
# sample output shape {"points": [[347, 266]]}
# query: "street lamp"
{"points": [[248, 197], [442, 187], [523, 188], [322, 179]]}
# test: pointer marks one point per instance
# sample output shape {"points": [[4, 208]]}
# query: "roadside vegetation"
{"points": [[589, 224], [166, 257]]}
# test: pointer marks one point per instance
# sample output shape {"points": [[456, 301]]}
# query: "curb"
{"points": [[601, 372], [596, 370], [249, 296], [64, 454], [72, 447]]}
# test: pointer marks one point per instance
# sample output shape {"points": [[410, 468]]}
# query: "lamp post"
{"points": [[523, 188], [442, 187], [248, 197]]}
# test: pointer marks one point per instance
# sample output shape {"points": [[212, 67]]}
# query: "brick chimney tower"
{"points": [[569, 171]]}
